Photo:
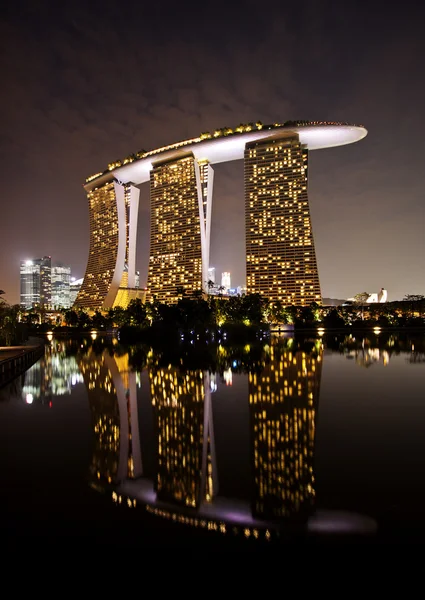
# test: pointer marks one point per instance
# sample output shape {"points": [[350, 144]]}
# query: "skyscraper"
{"points": [[35, 277], [113, 211], [60, 277], [281, 259], [280, 255], [74, 288], [225, 280], [181, 193]]}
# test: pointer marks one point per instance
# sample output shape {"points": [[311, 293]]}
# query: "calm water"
{"points": [[253, 447]]}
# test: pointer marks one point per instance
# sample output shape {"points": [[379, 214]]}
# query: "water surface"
{"points": [[285, 439]]}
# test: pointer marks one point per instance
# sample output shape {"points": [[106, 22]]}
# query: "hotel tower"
{"points": [[181, 201], [111, 269], [280, 256]]}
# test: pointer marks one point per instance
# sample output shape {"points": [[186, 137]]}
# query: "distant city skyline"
{"points": [[45, 283], [86, 86]]}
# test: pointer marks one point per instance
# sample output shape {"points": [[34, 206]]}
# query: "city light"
{"points": [[277, 218]]}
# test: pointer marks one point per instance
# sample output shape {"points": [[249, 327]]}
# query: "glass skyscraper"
{"points": [[35, 278], [61, 287]]}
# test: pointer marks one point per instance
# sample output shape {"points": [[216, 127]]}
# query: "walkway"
{"points": [[14, 360]]}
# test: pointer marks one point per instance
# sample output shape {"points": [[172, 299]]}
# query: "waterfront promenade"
{"points": [[14, 360]]}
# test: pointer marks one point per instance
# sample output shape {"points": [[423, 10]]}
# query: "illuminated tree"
{"points": [[361, 298]]}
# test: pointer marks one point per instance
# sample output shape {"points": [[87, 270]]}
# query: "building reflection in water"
{"points": [[281, 387], [182, 409], [364, 353], [112, 394], [55, 374], [283, 402], [366, 357], [282, 398]]}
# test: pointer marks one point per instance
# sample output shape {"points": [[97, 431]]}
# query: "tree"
{"points": [[413, 298], [98, 320], [152, 311], [361, 298], [71, 318], [84, 319], [408, 297], [306, 315], [109, 318], [120, 316], [193, 313], [136, 312], [11, 332], [333, 319], [233, 310], [253, 308]]}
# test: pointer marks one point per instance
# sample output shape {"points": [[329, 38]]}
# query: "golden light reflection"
{"points": [[283, 402], [178, 401]]}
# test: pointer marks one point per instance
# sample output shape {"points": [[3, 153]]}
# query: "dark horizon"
{"points": [[85, 85]]}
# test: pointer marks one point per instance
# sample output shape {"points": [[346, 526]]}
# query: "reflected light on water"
{"points": [[273, 410], [227, 376], [341, 522]]}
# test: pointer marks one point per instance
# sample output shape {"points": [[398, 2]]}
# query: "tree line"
{"points": [[198, 313]]}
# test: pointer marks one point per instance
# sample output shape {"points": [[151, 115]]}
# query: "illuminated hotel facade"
{"points": [[280, 256], [181, 200], [281, 261], [111, 267]]}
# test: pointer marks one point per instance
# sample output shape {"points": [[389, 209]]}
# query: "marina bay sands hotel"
{"points": [[280, 255]]}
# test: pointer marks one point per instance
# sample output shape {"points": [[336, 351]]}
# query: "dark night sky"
{"points": [[84, 83]]}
